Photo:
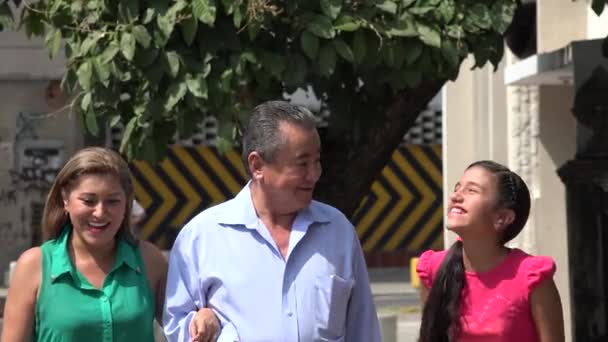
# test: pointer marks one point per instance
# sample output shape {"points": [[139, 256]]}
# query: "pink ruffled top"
{"points": [[495, 305]]}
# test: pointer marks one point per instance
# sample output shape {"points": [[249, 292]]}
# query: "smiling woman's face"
{"points": [[96, 206]]}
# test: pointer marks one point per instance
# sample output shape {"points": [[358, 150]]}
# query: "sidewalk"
{"points": [[393, 294]]}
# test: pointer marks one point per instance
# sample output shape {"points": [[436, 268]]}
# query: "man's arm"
{"points": [[361, 319], [183, 295]]}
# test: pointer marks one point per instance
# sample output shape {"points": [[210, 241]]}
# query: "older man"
{"points": [[273, 264]]}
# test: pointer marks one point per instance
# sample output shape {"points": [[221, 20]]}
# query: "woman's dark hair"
{"points": [[441, 314]]}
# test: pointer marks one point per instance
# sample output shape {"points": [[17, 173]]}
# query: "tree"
{"points": [[160, 66], [6, 16]]}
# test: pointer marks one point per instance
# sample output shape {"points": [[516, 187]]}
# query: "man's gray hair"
{"points": [[263, 134]]}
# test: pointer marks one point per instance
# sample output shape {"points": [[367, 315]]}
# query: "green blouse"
{"points": [[69, 308]]}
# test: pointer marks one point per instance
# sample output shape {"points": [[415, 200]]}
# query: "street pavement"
{"points": [[392, 294]]}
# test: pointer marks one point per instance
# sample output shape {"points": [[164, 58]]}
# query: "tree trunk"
{"points": [[350, 168]]}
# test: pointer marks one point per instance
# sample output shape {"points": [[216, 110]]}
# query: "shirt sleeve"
{"points": [[424, 268], [539, 269], [183, 295], [362, 319]]}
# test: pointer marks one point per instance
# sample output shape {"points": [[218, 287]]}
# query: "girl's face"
{"points": [[472, 206], [96, 206]]}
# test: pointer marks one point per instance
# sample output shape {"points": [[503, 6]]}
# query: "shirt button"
{"points": [[104, 299], [289, 314]]}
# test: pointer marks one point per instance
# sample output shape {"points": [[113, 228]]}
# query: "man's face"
{"points": [[290, 179]]}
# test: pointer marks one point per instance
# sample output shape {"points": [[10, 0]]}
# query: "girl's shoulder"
{"points": [[533, 269], [428, 264]]}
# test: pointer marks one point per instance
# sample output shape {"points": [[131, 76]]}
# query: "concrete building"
{"points": [[522, 115], [36, 135]]}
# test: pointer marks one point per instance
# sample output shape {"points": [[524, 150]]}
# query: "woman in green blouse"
{"points": [[92, 280]]}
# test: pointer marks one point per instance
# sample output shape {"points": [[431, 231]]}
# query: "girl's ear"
{"points": [[503, 219]]}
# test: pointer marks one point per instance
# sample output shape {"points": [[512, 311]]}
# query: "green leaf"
{"points": [[412, 51], [321, 26], [598, 6], [327, 60], [34, 24], [53, 41], [421, 11], [272, 62], [479, 15], [91, 122], [142, 36], [55, 7], [388, 6], [391, 56], [128, 10], [359, 46], [450, 53], [197, 85], [309, 44], [446, 10], [109, 53], [172, 63], [455, 31], [331, 8], [176, 92], [126, 135], [188, 27], [102, 70], [115, 120], [127, 46], [85, 74], [149, 14], [86, 101], [90, 41], [346, 23], [226, 79], [502, 15], [429, 35], [166, 24], [237, 17], [344, 50], [404, 27], [204, 10]]}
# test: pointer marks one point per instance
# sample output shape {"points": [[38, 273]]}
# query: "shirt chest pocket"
{"points": [[331, 305]]}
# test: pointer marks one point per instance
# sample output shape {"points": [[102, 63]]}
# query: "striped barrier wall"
{"points": [[402, 211]]}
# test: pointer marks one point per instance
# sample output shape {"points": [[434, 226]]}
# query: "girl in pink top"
{"points": [[480, 290]]}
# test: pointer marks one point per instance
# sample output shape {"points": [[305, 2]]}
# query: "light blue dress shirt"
{"points": [[225, 259]]}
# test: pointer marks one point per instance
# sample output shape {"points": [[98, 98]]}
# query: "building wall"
{"points": [[30, 119]]}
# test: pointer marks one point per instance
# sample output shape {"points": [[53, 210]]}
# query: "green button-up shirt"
{"points": [[69, 308]]}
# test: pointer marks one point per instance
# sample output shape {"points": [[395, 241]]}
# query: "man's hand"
{"points": [[204, 327]]}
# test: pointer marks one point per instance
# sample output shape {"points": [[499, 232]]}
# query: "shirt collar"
{"points": [[240, 211], [62, 265]]}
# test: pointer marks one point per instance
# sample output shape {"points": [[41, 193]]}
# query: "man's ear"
{"points": [[504, 218], [256, 165]]}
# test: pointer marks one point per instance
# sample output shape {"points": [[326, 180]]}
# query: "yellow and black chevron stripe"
{"points": [[187, 181], [402, 211]]}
